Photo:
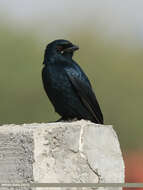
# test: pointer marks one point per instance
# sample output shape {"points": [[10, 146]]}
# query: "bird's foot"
{"points": [[72, 119], [61, 120], [66, 120]]}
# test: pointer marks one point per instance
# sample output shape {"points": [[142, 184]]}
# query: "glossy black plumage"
{"points": [[67, 86]]}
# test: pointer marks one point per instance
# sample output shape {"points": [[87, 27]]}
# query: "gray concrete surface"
{"points": [[76, 152]]}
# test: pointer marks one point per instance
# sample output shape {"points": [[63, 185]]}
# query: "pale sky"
{"points": [[113, 17]]}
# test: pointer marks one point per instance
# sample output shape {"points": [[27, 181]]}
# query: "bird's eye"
{"points": [[59, 48]]}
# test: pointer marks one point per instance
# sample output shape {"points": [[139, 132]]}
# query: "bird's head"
{"points": [[61, 47]]}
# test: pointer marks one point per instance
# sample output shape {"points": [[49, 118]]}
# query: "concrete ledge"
{"points": [[73, 152]]}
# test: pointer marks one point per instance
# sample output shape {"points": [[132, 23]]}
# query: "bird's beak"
{"points": [[71, 49]]}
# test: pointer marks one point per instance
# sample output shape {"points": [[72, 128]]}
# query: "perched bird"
{"points": [[66, 85]]}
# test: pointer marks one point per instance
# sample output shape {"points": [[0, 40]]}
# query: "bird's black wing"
{"points": [[87, 97]]}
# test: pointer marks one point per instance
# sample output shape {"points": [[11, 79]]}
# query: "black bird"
{"points": [[67, 86]]}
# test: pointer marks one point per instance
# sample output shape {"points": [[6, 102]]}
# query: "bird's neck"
{"points": [[49, 56]]}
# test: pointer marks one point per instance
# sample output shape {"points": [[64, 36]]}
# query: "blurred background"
{"points": [[110, 36]]}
